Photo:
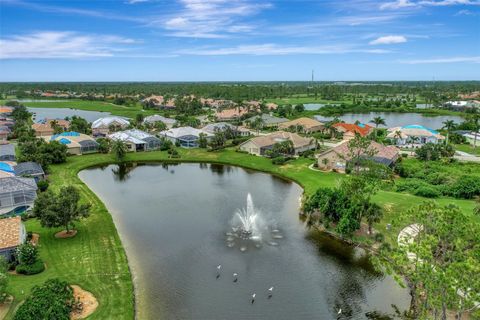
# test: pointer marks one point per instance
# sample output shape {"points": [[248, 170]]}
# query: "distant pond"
{"points": [[316, 106], [394, 119], [178, 223], [62, 113]]}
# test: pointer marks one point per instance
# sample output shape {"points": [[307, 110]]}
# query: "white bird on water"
{"points": [[219, 267], [271, 289], [339, 311], [253, 297]]}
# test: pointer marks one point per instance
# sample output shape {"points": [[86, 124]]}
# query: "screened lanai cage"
{"points": [[88, 146], [17, 195]]}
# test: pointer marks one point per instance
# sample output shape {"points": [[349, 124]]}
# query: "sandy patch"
{"points": [[87, 302], [63, 234], [35, 239], [4, 307]]}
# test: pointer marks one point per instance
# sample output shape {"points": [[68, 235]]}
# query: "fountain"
{"points": [[249, 229]]}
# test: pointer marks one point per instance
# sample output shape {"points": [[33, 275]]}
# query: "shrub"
{"points": [[27, 254], [279, 160], [466, 187], [427, 192], [52, 300], [42, 185], [30, 269], [379, 237]]}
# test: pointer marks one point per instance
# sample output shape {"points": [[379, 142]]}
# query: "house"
{"points": [[268, 120], [472, 137], [137, 140], [153, 100], [187, 137], [29, 169], [7, 152], [338, 157], [157, 118], [413, 134], [6, 111], [349, 130], [13, 234], [46, 127], [107, 125], [308, 125], [77, 143], [17, 194], [271, 106], [4, 132], [259, 145], [219, 126], [230, 114]]}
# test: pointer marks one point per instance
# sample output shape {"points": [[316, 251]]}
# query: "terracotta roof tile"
{"points": [[11, 232]]}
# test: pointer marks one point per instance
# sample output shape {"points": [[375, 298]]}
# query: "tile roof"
{"points": [[7, 149], [107, 121], [268, 119], [231, 113], [11, 235], [134, 135], [414, 130], [362, 130], [380, 151], [279, 136], [307, 123], [183, 131], [222, 126], [156, 118]]}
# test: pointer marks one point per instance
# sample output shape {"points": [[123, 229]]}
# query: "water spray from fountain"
{"points": [[249, 229]]}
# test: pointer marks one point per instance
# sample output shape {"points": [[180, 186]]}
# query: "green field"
{"points": [[95, 258], [469, 148], [114, 109]]}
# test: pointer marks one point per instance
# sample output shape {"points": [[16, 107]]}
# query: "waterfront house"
{"points": [[306, 125], [29, 169], [77, 143], [157, 118], [413, 135], [7, 152], [338, 157], [187, 137], [17, 194], [259, 145], [13, 235], [137, 140], [46, 127], [268, 120], [107, 125], [349, 130]]}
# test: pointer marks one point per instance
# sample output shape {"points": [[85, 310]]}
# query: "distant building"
{"points": [[268, 120], [157, 118], [230, 114], [17, 194], [219, 126], [349, 130], [46, 128], [472, 137], [7, 152], [187, 137], [308, 125], [259, 145], [4, 132], [338, 157], [13, 235], [77, 143], [413, 134], [107, 125], [29, 169], [137, 140]]}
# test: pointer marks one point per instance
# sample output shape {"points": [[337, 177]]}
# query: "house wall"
{"points": [[304, 148], [334, 162], [74, 150], [250, 147]]}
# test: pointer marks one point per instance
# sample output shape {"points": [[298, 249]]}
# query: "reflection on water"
{"points": [[173, 219], [61, 113]]}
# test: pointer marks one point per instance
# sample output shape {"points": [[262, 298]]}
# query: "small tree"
{"points": [[119, 149], [60, 210], [202, 140], [27, 254]]}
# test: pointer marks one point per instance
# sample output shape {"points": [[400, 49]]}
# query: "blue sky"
{"points": [[239, 40]]}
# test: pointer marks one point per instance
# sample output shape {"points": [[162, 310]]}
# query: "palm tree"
{"points": [[378, 121], [258, 124], [448, 125], [397, 135], [475, 119], [119, 149]]}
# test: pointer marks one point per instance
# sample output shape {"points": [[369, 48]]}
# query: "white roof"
{"points": [[105, 122], [183, 131], [134, 135], [218, 126], [156, 118]]}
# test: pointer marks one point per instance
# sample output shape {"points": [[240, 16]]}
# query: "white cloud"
{"points": [[401, 4], [52, 44], [210, 18], [274, 49], [388, 40], [474, 59], [466, 13]]}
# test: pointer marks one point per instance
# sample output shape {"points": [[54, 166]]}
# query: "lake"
{"points": [[394, 119], [62, 113], [176, 223]]}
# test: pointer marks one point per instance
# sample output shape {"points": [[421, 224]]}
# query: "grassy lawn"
{"points": [[469, 148], [118, 110], [95, 258]]}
